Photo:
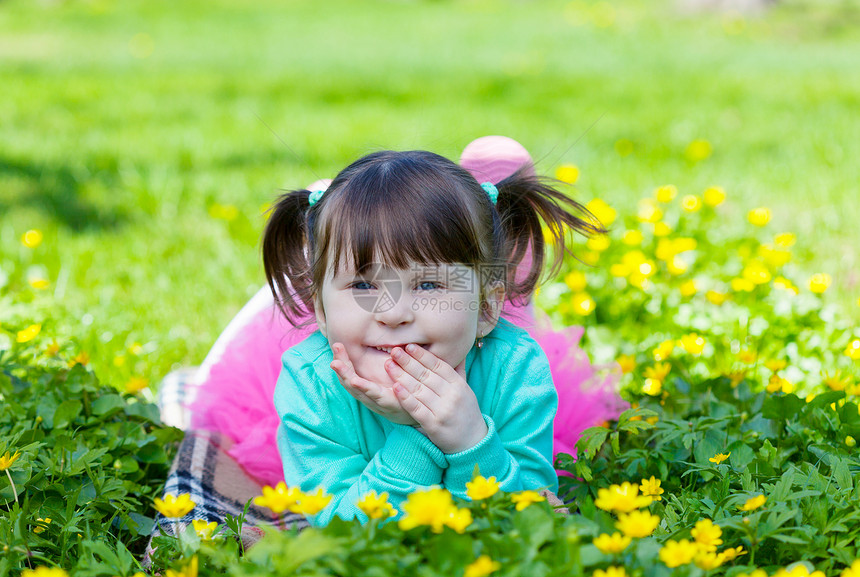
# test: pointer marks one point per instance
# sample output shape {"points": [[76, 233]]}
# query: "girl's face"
{"points": [[435, 306]]}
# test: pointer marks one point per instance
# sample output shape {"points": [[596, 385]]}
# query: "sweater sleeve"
{"points": [[320, 447], [519, 414]]}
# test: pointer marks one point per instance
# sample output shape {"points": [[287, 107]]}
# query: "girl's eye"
{"points": [[362, 285], [433, 285]]}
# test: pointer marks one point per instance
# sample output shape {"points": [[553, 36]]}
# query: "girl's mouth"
{"points": [[388, 349]]}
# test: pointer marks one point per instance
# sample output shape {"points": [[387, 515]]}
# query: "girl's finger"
{"points": [[416, 409], [419, 390], [426, 368]]}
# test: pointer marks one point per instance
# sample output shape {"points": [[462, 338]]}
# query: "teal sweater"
{"points": [[328, 439]]}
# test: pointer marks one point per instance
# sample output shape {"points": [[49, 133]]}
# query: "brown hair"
{"points": [[415, 206]]}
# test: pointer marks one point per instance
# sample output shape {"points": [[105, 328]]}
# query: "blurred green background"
{"points": [[145, 138]]}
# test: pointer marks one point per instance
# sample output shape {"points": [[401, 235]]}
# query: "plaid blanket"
{"points": [[216, 483]]}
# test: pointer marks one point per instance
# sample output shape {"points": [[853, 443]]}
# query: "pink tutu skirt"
{"points": [[235, 385]]}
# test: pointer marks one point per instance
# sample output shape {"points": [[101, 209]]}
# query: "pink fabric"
{"points": [[237, 379]]}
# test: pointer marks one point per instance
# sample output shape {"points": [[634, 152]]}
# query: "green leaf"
{"points": [[108, 404], [781, 407], [591, 441], [67, 412]]}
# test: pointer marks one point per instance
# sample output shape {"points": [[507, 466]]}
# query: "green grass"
{"points": [[123, 123]]}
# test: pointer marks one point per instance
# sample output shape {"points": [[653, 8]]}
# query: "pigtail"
{"points": [[524, 202], [285, 257]]}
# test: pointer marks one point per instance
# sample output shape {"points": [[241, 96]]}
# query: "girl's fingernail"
{"points": [[411, 348]]}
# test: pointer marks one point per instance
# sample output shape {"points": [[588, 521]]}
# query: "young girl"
{"points": [[406, 262]]}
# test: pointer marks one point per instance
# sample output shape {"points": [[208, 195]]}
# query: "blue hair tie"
{"points": [[491, 191], [315, 196]]}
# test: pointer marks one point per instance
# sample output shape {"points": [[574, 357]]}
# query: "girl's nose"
{"points": [[394, 313]]}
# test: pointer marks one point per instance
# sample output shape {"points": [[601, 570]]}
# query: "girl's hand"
{"points": [[378, 398], [438, 398]]}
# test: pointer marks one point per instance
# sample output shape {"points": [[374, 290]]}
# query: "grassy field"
{"points": [[145, 138]]}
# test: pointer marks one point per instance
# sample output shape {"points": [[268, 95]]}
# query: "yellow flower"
{"points": [[135, 349], [481, 488], [755, 573], [777, 383], [203, 529], [707, 535], [567, 173], [853, 570], [652, 387], [742, 285], [279, 499], [850, 441], [662, 229], [135, 385], [615, 543], [677, 266], [785, 240], [649, 211], [773, 256], [637, 523], [6, 461], [312, 503], [611, 571], [575, 281], [819, 282], [82, 358], [677, 553], [651, 488], [39, 528], [28, 334], [720, 457], [708, 560], [482, 566], [32, 238], [753, 503], [736, 377], [716, 297], [747, 356], [693, 343], [39, 283], [714, 196], [226, 212], [783, 283], [632, 237], [627, 363], [431, 507], [582, 304], [689, 288], [698, 150], [691, 203], [189, 570], [799, 569], [624, 498], [44, 572], [376, 507], [525, 498], [759, 216], [658, 372], [756, 272], [776, 365], [663, 350], [852, 351], [604, 213], [665, 193], [837, 381], [459, 519], [53, 349], [732, 553], [174, 507], [598, 243]]}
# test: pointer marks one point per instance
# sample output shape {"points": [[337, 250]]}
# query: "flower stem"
{"points": [[14, 489]]}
